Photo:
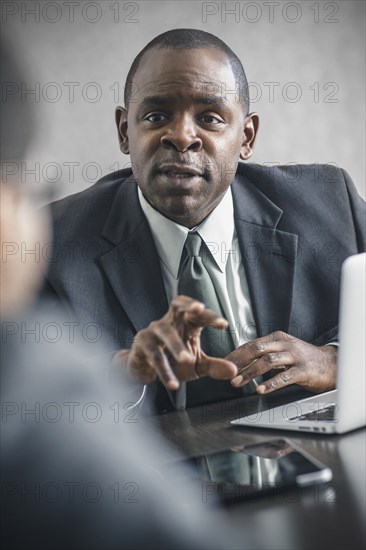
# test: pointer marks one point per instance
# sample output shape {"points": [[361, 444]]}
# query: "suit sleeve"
{"points": [[358, 211], [358, 208]]}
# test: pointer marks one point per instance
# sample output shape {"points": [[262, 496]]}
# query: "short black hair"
{"points": [[192, 39]]}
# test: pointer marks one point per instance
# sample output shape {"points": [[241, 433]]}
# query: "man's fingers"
{"points": [[160, 363], [285, 378], [139, 369], [261, 365], [272, 343], [243, 377], [148, 355], [170, 347], [187, 310], [298, 362], [180, 305], [169, 337], [220, 369], [205, 317]]}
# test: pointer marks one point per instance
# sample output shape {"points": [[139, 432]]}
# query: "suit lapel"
{"points": [[132, 265], [269, 256]]}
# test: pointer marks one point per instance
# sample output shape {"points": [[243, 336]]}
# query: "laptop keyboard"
{"points": [[326, 414]]}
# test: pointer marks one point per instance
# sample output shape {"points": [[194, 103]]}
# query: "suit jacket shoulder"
{"points": [[317, 196], [86, 212]]}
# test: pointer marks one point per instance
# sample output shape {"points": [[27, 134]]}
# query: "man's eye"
{"points": [[210, 119], [155, 117]]}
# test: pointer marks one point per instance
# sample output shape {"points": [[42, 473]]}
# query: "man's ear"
{"points": [[121, 121], [250, 129]]}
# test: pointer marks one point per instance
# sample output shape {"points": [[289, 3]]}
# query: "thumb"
{"points": [[217, 368]]}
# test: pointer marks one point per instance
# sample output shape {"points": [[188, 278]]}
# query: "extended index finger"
{"points": [[187, 311]]}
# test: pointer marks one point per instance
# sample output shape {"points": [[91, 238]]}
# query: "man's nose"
{"points": [[181, 135]]}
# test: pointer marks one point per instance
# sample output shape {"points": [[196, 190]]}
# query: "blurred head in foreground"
{"points": [[22, 230]]}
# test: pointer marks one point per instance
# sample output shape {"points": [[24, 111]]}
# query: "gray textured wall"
{"points": [[309, 51]]}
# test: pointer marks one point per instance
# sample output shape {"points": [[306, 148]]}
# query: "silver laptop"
{"points": [[343, 409]]}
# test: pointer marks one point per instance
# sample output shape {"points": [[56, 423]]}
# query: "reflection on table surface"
{"points": [[326, 516]]}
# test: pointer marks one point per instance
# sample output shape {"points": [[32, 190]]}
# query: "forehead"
{"points": [[165, 70]]}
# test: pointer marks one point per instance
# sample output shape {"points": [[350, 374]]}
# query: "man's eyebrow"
{"points": [[155, 100], [211, 99], [202, 98]]}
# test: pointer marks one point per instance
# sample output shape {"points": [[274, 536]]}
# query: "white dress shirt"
{"points": [[224, 266]]}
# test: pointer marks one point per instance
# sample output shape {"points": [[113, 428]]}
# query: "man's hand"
{"points": [[170, 348], [296, 362]]}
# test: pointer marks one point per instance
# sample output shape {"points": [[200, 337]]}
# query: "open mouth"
{"points": [[179, 174]]}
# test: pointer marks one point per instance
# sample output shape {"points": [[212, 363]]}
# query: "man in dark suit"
{"points": [[274, 239]]}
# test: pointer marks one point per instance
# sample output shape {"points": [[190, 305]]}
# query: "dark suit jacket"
{"points": [[295, 226]]}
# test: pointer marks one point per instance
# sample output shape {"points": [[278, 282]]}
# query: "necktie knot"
{"points": [[193, 244]]}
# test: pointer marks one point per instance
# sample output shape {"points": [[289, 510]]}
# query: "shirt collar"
{"points": [[216, 231]]}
